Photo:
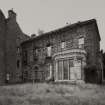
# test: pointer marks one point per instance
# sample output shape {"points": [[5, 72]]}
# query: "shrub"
{"points": [[91, 74]]}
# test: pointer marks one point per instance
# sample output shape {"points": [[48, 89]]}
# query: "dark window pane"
{"points": [[71, 69], [25, 57], [65, 70], [59, 70], [18, 63]]}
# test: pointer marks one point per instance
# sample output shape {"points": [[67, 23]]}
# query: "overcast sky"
{"points": [[52, 14]]}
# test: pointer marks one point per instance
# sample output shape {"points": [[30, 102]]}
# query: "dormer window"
{"points": [[81, 42]]}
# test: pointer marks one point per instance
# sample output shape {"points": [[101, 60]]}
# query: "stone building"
{"points": [[10, 38], [62, 54]]}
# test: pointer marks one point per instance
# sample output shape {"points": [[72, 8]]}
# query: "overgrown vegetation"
{"points": [[52, 94], [92, 74]]}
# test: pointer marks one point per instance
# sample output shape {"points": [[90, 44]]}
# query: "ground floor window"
{"points": [[68, 69], [104, 73], [49, 71], [65, 70], [60, 71]]}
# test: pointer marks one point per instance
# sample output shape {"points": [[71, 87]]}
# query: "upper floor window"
{"points": [[18, 50], [31, 55], [25, 61], [35, 54], [63, 45], [48, 50], [81, 42], [18, 63]]}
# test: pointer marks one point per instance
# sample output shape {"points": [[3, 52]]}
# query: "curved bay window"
{"points": [[69, 69]]}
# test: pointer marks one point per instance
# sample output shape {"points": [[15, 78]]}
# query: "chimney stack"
{"points": [[11, 14]]}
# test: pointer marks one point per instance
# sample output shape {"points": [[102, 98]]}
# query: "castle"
{"points": [[60, 55]]}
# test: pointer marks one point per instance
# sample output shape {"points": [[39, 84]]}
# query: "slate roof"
{"points": [[65, 28]]}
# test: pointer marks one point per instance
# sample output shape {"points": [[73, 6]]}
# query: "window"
{"points": [[18, 50], [49, 71], [63, 45], [25, 58], [65, 70], [60, 67], [31, 55], [71, 70], [78, 69], [18, 63], [49, 51], [35, 54], [81, 42], [8, 76]]}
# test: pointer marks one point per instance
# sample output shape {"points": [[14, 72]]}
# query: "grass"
{"points": [[52, 94]]}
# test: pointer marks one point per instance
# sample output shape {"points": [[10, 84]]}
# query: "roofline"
{"points": [[70, 26]]}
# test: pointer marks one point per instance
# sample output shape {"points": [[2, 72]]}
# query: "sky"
{"points": [[48, 15]]}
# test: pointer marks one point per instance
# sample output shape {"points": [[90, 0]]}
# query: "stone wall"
{"points": [[2, 48], [71, 36], [14, 38]]}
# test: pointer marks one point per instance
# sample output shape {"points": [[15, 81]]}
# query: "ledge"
{"points": [[71, 51]]}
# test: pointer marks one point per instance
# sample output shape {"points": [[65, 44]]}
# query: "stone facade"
{"points": [[2, 47], [10, 38], [61, 55]]}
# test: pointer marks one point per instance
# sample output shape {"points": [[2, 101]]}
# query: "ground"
{"points": [[52, 94]]}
